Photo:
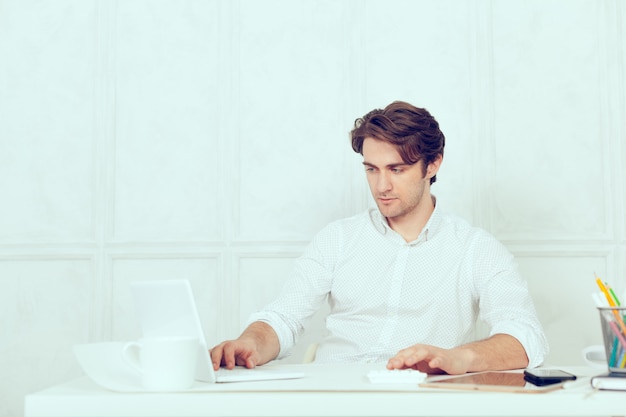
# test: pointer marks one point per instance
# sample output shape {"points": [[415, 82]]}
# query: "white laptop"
{"points": [[167, 308]]}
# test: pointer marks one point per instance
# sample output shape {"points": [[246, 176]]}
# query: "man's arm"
{"points": [[257, 345], [498, 352]]}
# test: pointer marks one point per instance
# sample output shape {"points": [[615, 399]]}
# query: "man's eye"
{"points": [[369, 169], [396, 170]]}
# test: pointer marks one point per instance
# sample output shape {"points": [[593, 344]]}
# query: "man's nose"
{"points": [[383, 184]]}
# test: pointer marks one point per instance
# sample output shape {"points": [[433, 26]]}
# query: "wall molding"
{"points": [[482, 111]]}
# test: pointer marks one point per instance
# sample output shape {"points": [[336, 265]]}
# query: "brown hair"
{"points": [[414, 131]]}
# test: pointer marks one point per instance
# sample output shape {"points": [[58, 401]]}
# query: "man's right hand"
{"points": [[240, 352], [257, 345]]}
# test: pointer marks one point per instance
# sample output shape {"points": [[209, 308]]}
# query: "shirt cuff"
{"points": [[284, 333], [533, 342]]}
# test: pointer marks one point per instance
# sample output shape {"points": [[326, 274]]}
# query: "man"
{"points": [[405, 282]]}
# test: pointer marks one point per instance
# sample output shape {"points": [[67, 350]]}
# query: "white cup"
{"points": [[595, 356], [165, 363]]}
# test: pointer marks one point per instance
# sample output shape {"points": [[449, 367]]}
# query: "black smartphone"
{"points": [[542, 377]]}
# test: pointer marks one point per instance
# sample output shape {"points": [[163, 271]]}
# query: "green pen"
{"points": [[613, 358], [617, 303]]}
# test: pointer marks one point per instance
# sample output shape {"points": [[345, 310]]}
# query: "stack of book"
{"points": [[609, 381]]}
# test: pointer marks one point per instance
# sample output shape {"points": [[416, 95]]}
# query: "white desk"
{"points": [[337, 390]]}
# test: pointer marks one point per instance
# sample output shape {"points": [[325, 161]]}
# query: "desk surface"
{"points": [[327, 390]]}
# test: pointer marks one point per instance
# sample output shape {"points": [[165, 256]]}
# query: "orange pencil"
{"points": [[605, 291], [612, 304]]}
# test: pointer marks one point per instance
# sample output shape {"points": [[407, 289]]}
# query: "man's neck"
{"points": [[411, 224]]}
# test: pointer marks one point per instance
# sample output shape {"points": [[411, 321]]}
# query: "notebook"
{"points": [[167, 308]]}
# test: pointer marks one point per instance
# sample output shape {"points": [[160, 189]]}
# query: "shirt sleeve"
{"points": [[304, 291], [504, 300]]}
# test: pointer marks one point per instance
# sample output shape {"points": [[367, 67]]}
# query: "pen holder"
{"points": [[613, 320]]}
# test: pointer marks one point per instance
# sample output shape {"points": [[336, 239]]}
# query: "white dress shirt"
{"points": [[386, 294]]}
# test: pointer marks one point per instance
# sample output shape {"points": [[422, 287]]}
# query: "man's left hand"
{"points": [[431, 360]]}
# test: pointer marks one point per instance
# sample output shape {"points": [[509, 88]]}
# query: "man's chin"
{"points": [[387, 212]]}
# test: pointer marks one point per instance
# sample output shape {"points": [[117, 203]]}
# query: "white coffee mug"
{"points": [[165, 363], [595, 356]]}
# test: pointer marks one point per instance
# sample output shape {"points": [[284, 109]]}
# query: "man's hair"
{"points": [[412, 130]]}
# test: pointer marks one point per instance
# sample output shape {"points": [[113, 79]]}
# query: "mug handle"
{"points": [[595, 356], [130, 354]]}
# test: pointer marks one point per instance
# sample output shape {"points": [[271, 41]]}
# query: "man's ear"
{"points": [[433, 167]]}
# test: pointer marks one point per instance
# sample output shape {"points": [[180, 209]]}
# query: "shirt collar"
{"points": [[431, 225], [380, 224]]}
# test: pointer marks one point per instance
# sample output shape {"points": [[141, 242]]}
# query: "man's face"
{"points": [[397, 188]]}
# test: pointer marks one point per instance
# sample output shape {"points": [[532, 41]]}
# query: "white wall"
{"points": [[208, 140]]}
